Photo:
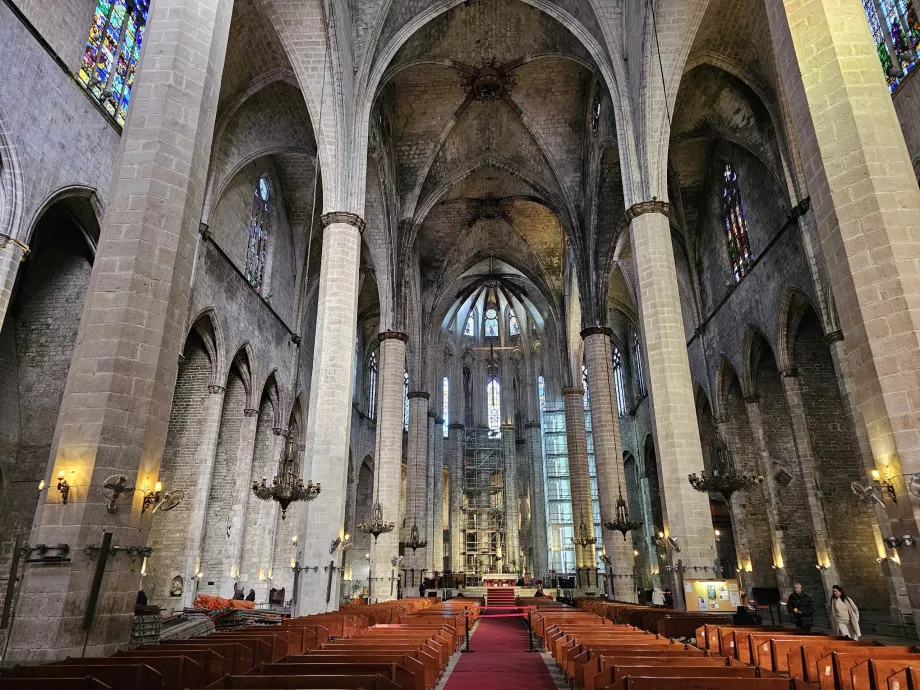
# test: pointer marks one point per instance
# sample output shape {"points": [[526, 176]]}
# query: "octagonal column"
{"points": [[579, 482], [538, 497], [417, 511], [510, 492], [437, 515], [455, 478]]}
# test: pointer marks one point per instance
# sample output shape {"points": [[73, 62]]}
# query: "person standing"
{"points": [[844, 615], [251, 596], [801, 608]]}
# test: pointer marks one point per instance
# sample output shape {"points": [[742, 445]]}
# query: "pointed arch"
{"points": [[792, 307], [207, 326], [756, 345]]}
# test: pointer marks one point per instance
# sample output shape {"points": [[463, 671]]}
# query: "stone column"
{"points": [[204, 457], [388, 480], [455, 477], [792, 387], [115, 410], [685, 511], [263, 539], [417, 511], [740, 530], [12, 253], [538, 501], [329, 422], [242, 492], [866, 204], [522, 463], [436, 546], [580, 483], [771, 495], [510, 492], [611, 482], [429, 495]]}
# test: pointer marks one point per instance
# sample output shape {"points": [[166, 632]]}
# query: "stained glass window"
{"points": [[493, 395], [739, 250], [259, 220], [406, 401], [491, 323], [896, 33], [637, 364], [619, 381], [109, 62], [470, 328], [513, 327], [445, 405], [372, 386], [584, 384], [541, 392]]}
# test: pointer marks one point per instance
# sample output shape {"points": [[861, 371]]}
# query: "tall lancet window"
{"points": [[739, 249], [372, 386], [493, 399], [513, 328], [541, 392], [896, 33], [445, 404], [586, 401], [470, 327], [109, 62], [619, 381], [491, 324], [259, 220], [637, 365], [406, 401]]}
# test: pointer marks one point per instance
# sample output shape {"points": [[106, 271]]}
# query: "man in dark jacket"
{"points": [[801, 608]]}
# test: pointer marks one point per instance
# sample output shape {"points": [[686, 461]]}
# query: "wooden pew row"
{"points": [[87, 683], [908, 679], [344, 682], [642, 683]]}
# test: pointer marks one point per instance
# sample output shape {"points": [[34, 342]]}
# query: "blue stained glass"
{"points": [[259, 220], [894, 25], [493, 395], [541, 392], [445, 412], [491, 323], [372, 386], [406, 401], [739, 251], [513, 327], [470, 328], [619, 381], [109, 61]]}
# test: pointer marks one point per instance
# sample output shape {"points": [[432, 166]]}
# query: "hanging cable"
{"points": [[664, 86]]}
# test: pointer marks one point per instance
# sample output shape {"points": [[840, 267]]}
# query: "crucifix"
{"points": [[396, 561]]}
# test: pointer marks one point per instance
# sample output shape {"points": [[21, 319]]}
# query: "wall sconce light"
{"points": [[151, 498], [635, 552], [895, 542], [885, 486], [823, 566], [62, 486], [881, 559], [716, 533], [41, 486], [294, 540]]}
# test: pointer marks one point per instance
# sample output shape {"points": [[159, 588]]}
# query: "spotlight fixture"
{"points": [[62, 486], [151, 498]]}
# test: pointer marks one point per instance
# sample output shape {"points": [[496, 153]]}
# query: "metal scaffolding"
{"points": [[483, 502]]}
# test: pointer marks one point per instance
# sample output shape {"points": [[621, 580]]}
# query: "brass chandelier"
{"points": [[287, 487], [414, 541], [377, 526], [622, 523], [723, 477], [583, 536]]}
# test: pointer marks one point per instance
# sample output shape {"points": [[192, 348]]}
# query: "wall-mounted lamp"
{"points": [[823, 566], [716, 533], [635, 552], [885, 486], [895, 542], [41, 486], [151, 498], [294, 540], [63, 487]]}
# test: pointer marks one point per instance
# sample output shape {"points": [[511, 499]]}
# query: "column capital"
{"points": [[433, 414], [250, 412], [532, 425], [573, 391], [205, 231], [437, 420], [393, 335], [216, 389], [456, 426], [642, 208], [596, 330], [507, 427], [833, 337], [7, 241], [789, 373], [418, 394], [279, 431], [352, 219]]}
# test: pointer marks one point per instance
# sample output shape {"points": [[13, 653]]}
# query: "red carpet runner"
{"points": [[501, 660]]}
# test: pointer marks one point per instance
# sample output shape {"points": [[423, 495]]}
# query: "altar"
{"points": [[499, 580]]}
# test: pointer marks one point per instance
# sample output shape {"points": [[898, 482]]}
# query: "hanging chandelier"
{"points": [[622, 523], [287, 487], [414, 542], [583, 536], [377, 526], [723, 477]]}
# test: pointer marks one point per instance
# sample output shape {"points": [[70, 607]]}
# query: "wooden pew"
{"points": [[777, 656], [639, 683], [177, 672], [598, 672], [814, 661], [85, 683], [344, 682], [397, 673], [220, 659], [841, 664], [908, 679], [135, 677]]}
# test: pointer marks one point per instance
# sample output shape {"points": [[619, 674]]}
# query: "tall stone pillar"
{"points": [[580, 483], [510, 492], [538, 501], [436, 545], [417, 512], [611, 480], [262, 540], [685, 511], [12, 253], [429, 510], [242, 491], [522, 464], [204, 457], [866, 204], [116, 405], [388, 484], [329, 422], [455, 477]]}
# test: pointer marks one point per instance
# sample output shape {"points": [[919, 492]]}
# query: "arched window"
{"points": [[445, 403], [372, 386], [541, 392], [739, 250], [109, 62], [470, 327], [491, 323], [896, 32], [584, 384], [259, 220], [493, 397], [637, 365], [406, 401], [513, 328], [619, 381]]}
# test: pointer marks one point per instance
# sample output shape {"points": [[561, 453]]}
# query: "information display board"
{"points": [[717, 596]]}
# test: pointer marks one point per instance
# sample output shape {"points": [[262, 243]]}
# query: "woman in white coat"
{"points": [[844, 615]]}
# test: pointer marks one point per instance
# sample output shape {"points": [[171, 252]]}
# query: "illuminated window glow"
{"points": [[513, 327], [637, 363], [619, 381], [491, 323], [445, 411], [493, 395], [733, 220], [470, 328], [372, 386]]}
